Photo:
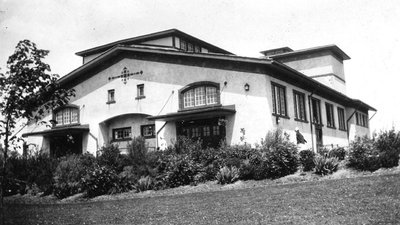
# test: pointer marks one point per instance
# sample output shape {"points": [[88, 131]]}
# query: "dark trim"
{"points": [[123, 139], [295, 108], [281, 116], [344, 118], [148, 125], [286, 115], [319, 112], [333, 115], [190, 86], [74, 128], [110, 102], [140, 97], [298, 120]]}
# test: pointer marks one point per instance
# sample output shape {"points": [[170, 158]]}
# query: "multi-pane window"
{"points": [[299, 106], [197, 48], [342, 124], [316, 111], [122, 133], [148, 131], [200, 96], [140, 90], [183, 45], [66, 116], [279, 100], [190, 47], [206, 131], [111, 96], [361, 119], [330, 119], [187, 46]]}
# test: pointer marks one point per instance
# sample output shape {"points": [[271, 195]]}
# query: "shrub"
{"points": [[363, 155], [279, 155], [100, 180], [388, 144], [68, 174], [110, 156], [177, 170], [145, 183], [227, 175], [339, 153], [325, 165], [137, 150], [307, 160]]}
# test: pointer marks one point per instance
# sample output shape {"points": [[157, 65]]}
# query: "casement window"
{"points": [[330, 118], [183, 45], [122, 134], [279, 100], [200, 95], [111, 96], [316, 111], [148, 131], [361, 119], [67, 116], [341, 119], [299, 106], [140, 91]]}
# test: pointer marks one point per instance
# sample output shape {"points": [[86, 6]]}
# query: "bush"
{"points": [[137, 150], [145, 183], [100, 180], [388, 144], [177, 170], [68, 174], [339, 153], [325, 165], [363, 155], [279, 155], [307, 160], [227, 175], [110, 156]]}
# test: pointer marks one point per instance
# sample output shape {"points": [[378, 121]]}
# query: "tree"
{"points": [[27, 91]]}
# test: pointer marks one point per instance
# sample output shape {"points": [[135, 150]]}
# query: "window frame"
{"points": [[115, 130], [341, 119], [192, 89], [319, 111], [275, 100], [296, 104], [330, 115], [139, 88], [111, 96], [143, 127], [362, 119], [72, 109]]}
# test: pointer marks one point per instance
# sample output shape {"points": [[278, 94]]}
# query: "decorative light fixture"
{"points": [[247, 87]]}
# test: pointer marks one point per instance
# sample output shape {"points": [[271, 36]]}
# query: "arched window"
{"points": [[66, 115], [199, 94]]}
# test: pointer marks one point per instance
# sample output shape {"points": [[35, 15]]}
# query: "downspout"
{"points": [[311, 121], [159, 132]]}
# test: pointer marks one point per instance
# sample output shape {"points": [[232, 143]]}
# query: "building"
{"points": [[169, 83]]}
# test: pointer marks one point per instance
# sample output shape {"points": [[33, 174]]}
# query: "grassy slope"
{"points": [[363, 200]]}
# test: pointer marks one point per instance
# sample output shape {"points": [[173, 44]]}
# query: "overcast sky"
{"points": [[367, 30]]}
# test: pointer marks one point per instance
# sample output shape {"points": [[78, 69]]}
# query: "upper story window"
{"points": [[279, 100], [299, 106], [67, 115], [342, 124], [199, 94], [361, 119], [187, 46], [316, 111], [140, 91], [111, 96], [330, 119]]}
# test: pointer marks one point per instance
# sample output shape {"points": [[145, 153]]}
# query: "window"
{"points": [[183, 45], [111, 96], [197, 48], [299, 106], [190, 47], [342, 124], [279, 100], [122, 134], [316, 111], [361, 119], [140, 91], [196, 95], [66, 116], [148, 131], [330, 119]]}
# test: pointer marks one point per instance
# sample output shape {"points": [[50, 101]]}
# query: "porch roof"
{"points": [[197, 113], [59, 130]]}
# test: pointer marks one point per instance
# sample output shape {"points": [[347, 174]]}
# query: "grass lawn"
{"points": [[361, 200]]}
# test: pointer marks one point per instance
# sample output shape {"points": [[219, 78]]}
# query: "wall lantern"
{"points": [[277, 119], [247, 87]]}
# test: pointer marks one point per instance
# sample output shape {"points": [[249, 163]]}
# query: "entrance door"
{"points": [[65, 144], [207, 130]]}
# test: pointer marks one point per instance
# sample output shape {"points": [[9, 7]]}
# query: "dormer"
{"points": [[324, 64], [172, 39]]}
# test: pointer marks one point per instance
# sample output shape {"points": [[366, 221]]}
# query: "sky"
{"points": [[367, 30]]}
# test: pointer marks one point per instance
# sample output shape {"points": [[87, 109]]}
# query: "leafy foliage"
{"points": [[110, 156], [363, 155], [388, 144], [325, 165], [145, 183], [227, 175], [338, 152], [100, 180], [307, 160]]}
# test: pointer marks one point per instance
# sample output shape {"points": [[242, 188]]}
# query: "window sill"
{"points": [[110, 102], [149, 137], [281, 116], [66, 125], [342, 129], [318, 124], [119, 140], [331, 127], [199, 107], [140, 97], [299, 120]]}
